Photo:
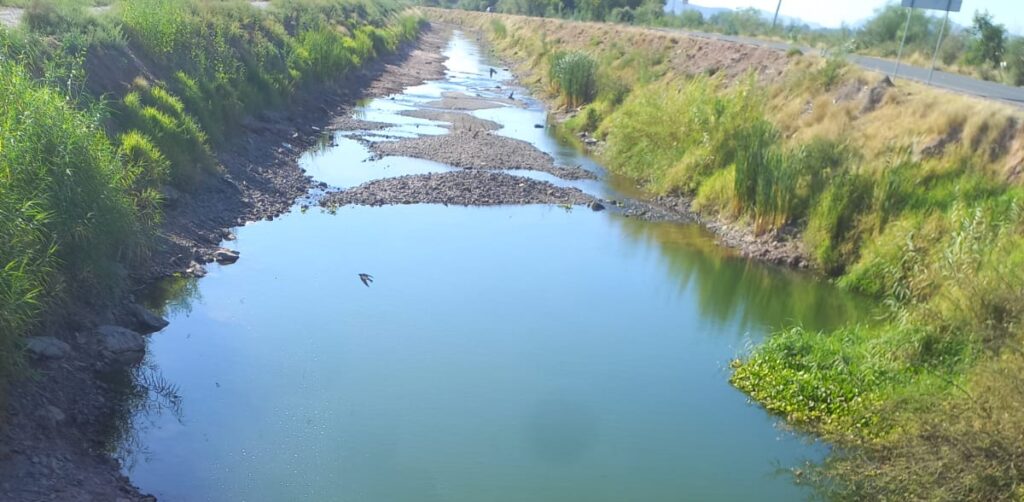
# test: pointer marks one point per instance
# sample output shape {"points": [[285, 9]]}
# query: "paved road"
{"points": [[941, 79]]}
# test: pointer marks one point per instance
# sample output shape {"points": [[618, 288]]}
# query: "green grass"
{"points": [[574, 75], [67, 214]]}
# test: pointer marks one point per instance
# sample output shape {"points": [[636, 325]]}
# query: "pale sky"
{"points": [[832, 13]]}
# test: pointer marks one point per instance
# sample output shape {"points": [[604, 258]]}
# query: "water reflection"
{"points": [[731, 289], [172, 296], [144, 394]]}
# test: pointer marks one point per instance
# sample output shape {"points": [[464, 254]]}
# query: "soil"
{"points": [[479, 150], [461, 188], [55, 442]]}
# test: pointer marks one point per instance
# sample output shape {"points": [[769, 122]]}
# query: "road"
{"points": [[941, 79]]}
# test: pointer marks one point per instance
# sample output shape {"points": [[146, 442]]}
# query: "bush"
{"points": [[832, 234], [65, 216], [162, 117], [574, 74], [674, 134]]}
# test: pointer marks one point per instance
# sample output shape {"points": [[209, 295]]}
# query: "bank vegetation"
{"points": [[901, 192], [104, 114]]}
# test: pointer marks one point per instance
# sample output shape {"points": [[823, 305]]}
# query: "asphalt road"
{"points": [[943, 80]]}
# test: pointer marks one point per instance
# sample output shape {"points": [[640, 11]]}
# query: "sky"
{"points": [[832, 13]]}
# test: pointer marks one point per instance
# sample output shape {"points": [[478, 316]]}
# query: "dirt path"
{"points": [[61, 422]]}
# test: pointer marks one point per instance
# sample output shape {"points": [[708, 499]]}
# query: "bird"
{"points": [[511, 96], [493, 72], [366, 278]]}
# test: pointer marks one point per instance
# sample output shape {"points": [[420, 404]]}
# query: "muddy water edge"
{"points": [[55, 439], [517, 342]]}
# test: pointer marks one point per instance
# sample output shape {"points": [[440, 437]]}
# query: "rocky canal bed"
{"points": [[463, 188]]}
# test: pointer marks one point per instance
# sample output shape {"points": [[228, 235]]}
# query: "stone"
{"points": [[51, 415], [145, 321], [596, 206], [121, 345], [47, 347], [196, 269], [225, 256], [876, 95]]}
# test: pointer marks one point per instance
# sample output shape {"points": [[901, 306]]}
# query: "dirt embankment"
{"points": [[60, 422]]}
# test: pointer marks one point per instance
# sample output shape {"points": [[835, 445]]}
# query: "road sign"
{"points": [[946, 5]]}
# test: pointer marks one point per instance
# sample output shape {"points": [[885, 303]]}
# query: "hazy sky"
{"points": [[833, 13]]}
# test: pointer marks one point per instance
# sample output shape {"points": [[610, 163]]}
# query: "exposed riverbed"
{"points": [[530, 350]]}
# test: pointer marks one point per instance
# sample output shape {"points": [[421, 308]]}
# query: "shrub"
{"points": [[574, 74], [831, 234], [65, 219]]}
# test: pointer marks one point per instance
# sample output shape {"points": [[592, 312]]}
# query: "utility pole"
{"points": [[776, 19], [906, 28], [935, 56]]}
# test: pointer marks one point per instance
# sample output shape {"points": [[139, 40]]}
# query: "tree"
{"points": [[884, 31], [691, 19], [1015, 60], [988, 41]]}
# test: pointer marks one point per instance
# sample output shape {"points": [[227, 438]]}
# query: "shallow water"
{"points": [[502, 353]]}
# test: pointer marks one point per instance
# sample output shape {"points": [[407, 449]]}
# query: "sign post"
{"points": [[944, 5], [775, 20]]}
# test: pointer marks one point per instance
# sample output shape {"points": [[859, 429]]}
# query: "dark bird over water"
{"points": [[366, 278]]}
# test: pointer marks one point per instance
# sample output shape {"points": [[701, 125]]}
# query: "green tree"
{"points": [[884, 32], [691, 19], [1015, 60], [988, 41]]}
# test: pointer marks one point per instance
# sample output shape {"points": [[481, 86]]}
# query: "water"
{"points": [[503, 354]]}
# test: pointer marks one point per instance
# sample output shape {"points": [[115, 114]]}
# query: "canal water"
{"points": [[510, 353]]}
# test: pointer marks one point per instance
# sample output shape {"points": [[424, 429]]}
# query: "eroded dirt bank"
{"points": [[56, 442]]}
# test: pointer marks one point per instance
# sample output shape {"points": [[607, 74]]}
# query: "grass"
{"points": [[67, 216], [84, 159], [906, 200], [574, 75]]}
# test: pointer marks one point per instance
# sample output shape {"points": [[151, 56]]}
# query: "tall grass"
{"points": [[574, 75], [66, 216]]}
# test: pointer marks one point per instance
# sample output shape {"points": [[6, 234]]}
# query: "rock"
{"points": [[538, 126], [47, 347], [937, 146], [876, 94], [51, 415], [196, 269], [596, 206], [121, 345], [145, 321], [225, 256]]}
